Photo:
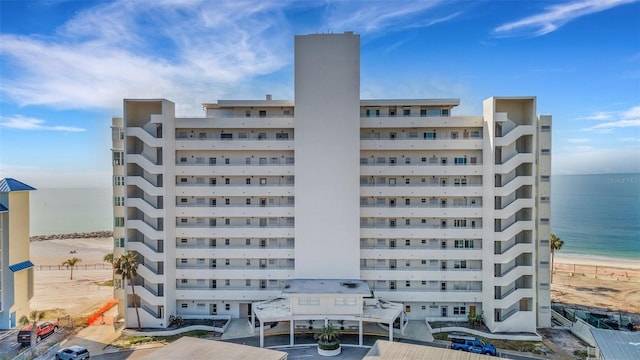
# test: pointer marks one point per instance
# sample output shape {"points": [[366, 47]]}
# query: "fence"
{"points": [[597, 270], [76, 267]]}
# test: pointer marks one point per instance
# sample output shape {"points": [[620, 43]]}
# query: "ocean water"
{"points": [[595, 215], [63, 211]]}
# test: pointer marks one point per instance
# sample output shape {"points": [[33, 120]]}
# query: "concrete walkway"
{"points": [[238, 328]]}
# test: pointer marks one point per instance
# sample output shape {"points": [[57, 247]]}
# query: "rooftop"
{"points": [[196, 349], [618, 345], [9, 184], [327, 287]]}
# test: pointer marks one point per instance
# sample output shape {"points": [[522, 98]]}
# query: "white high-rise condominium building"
{"points": [[448, 215]]}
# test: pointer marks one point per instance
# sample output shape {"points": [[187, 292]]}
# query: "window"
{"points": [[227, 161], [183, 261], [308, 301], [407, 284], [118, 201], [443, 286], [460, 160], [118, 222], [226, 262], [406, 112], [460, 264], [247, 113], [263, 181], [459, 310], [262, 113], [545, 178], [184, 305], [118, 158], [544, 199], [544, 221], [184, 281], [118, 180], [545, 151], [119, 242], [545, 128], [430, 135], [227, 201], [226, 136], [227, 307]]}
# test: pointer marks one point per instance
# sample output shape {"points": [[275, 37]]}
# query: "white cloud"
{"points": [[382, 15], [189, 52], [613, 120], [578, 141], [596, 161], [28, 123], [556, 16]]}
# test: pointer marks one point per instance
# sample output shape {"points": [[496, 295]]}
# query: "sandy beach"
{"points": [[615, 286]]}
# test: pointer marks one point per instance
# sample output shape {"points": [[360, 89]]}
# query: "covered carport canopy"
{"points": [[372, 310]]}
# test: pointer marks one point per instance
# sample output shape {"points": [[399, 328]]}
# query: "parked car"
{"points": [[74, 352], [43, 330], [471, 344]]}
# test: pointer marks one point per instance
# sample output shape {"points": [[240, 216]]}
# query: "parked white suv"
{"points": [[74, 352]]}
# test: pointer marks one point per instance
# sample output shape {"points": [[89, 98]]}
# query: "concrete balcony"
{"points": [[144, 163], [512, 274], [420, 144], [429, 122], [248, 294], [513, 185], [235, 211], [143, 135], [419, 273], [149, 275], [512, 297], [235, 253], [409, 252], [403, 294], [513, 163], [233, 122], [148, 296], [513, 135], [513, 207], [145, 229], [145, 250], [239, 190], [234, 170], [420, 232], [420, 170], [145, 207], [513, 230], [420, 189], [233, 144], [145, 185], [228, 272], [204, 231], [402, 211], [513, 252]]}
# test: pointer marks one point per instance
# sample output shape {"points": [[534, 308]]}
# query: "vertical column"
{"points": [[327, 152]]}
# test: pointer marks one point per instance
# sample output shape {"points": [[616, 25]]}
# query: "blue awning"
{"points": [[21, 266]]}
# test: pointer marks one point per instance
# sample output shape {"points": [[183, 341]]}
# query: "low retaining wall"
{"points": [[130, 332], [483, 334]]}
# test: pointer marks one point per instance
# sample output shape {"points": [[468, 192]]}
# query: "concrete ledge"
{"points": [[483, 334]]}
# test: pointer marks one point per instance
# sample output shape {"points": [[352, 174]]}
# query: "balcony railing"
{"points": [[236, 226], [415, 247], [401, 288], [270, 205], [420, 205], [421, 184], [400, 267], [287, 162], [231, 288], [233, 267], [417, 163], [235, 247], [416, 226], [416, 138], [179, 184], [256, 137]]}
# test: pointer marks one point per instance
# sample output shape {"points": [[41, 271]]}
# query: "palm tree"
{"points": [[71, 263], [328, 338], [127, 267], [33, 318], [556, 244], [108, 258]]}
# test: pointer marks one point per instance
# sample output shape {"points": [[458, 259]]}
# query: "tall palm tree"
{"points": [[556, 244], [34, 317], [71, 263], [108, 258], [127, 267]]}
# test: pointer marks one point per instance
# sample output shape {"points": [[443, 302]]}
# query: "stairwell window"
{"points": [[545, 151]]}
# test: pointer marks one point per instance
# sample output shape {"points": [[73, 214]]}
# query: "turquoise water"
{"points": [[595, 215], [62, 211]]}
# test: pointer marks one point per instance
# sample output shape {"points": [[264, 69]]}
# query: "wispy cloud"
{"points": [[28, 123], [186, 51], [383, 15], [578, 141], [622, 119], [556, 16]]}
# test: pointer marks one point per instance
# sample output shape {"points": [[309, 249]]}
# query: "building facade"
{"points": [[448, 215], [16, 270]]}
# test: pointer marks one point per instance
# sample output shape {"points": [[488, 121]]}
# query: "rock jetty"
{"points": [[83, 235]]}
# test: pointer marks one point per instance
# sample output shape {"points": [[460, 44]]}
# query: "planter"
{"points": [[333, 352]]}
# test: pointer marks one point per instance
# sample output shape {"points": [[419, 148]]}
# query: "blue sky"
{"points": [[65, 67]]}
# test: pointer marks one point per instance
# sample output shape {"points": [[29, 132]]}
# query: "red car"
{"points": [[43, 330]]}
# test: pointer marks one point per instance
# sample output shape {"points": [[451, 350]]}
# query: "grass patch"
{"points": [[128, 341], [108, 283]]}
